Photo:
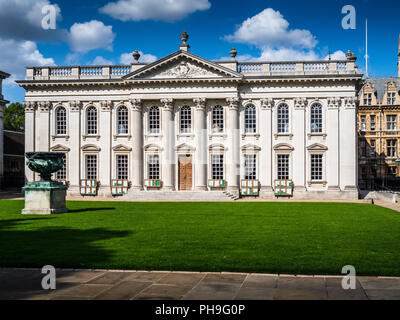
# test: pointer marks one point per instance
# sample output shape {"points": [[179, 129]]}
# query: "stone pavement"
{"points": [[132, 285]]}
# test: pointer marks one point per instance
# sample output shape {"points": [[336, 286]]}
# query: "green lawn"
{"points": [[305, 238]]}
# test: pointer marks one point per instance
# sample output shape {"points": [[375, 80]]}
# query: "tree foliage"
{"points": [[14, 117]]}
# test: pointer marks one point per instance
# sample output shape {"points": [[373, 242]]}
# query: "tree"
{"points": [[14, 117]]}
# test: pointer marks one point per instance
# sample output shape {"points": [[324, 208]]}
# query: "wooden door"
{"points": [[185, 173]]}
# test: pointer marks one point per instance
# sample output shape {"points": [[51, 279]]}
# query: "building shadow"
{"points": [[89, 210]]}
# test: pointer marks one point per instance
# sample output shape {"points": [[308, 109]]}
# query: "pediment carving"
{"points": [[91, 147], [185, 148], [283, 146], [121, 147], [317, 147], [153, 147], [60, 148]]}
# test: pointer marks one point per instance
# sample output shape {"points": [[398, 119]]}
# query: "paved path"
{"points": [[132, 285]]}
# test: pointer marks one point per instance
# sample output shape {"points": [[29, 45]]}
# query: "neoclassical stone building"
{"points": [[184, 123]]}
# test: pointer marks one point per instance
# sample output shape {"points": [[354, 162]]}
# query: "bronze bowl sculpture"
{"points": [[45, 163]]}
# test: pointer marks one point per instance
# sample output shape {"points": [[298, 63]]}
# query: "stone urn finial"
{"points": [[184, 37], [136, 56], [351, 56], [233, 53]]}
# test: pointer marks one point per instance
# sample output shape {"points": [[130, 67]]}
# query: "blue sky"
{"points": [[107, 31]]}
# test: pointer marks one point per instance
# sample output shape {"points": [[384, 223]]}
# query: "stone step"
{"points": [[177, 196]]}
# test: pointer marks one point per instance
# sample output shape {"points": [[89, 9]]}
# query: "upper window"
{"points": [[363, 120], [91, 120], [250, 119], [391, 98], [154, 120], [217, 119], [372, 123], [368, 99], [391, 148], [316, 118], [61, 121], [186, 120], [391, 122], [283, 118], [122, 120]]}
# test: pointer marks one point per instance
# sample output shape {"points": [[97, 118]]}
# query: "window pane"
{"points": [[122, 167], [154, 120], [283, 119], [316, 167], [154, 167], [61, 121], [283, 167], [250, 119], [250, 167], [62, 173], [122, 120], [91, 115], [217, 119], [91, 167], [316, 118], [186, 120], [217, 167]]}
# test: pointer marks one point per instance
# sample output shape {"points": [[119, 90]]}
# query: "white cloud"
{"points": [[270, 29], [22, 20], [84, 37], [16, 55], [286, 54], [338, 55], [100, 61], [158, 10], [126, 58]]}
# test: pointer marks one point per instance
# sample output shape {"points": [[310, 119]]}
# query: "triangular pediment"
{"points": [[317, 147], [182, 65], [60, 148], [185, 148]]}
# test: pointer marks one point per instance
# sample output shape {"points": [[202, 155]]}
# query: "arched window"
{"points": [[316, 118], [217, 119], [154, 120], [186, 120], [61, 121], [250, 119], [91, 120], [283, 118], [122, 120]]}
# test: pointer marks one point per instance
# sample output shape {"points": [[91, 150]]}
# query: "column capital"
{"points": [[233, 103], [44, 106], [300, 103], [267, 104], [200, 103], [334, 103], [29, 106], [136, 104], [75, 106], [106, 106], [168, 104], [350, 103]]}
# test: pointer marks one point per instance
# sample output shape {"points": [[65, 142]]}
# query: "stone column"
{"points": [[299, 160], [43, 127], [104, 161], [137, 148], [200, 130], [74, 157], [232, 154], [332, 141], [30, 130], [348, 146], [265, 155], [168, 155]]}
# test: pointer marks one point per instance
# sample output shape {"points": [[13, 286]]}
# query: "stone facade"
{"points": [[3, 75], [187, 120]]}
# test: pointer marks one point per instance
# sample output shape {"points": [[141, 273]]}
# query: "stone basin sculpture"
{"points": [[45, 196]]}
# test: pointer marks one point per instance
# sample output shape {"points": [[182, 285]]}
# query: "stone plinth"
{"points": [[45, 197]]}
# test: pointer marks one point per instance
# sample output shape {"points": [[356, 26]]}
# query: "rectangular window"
{"points": [[372, 150], [391, 123], [62, 173], [250, 167], [391, 148], [391, 98], [363, 147], [154, 167], [91, 167], [363, 123], [372, 124], [283, 167], [368, 99], [364, 173], [122, 167], [316, 167], [392, 172], [217, 164]]}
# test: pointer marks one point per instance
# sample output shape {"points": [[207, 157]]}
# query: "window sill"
{"points": [[250, 135], [153, 135], [283, 135], [185, 135], [217, 135], [120, 136], [317, 183], [61, 136], [317, 135], [90, 136]]}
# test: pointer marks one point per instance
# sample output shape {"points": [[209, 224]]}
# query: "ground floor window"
{"points": [[154, 167], [391, 148], [91, 167], [250, 167], [217, 164], [316, 167], [283, 166], [62, 173], [122, 167]]}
